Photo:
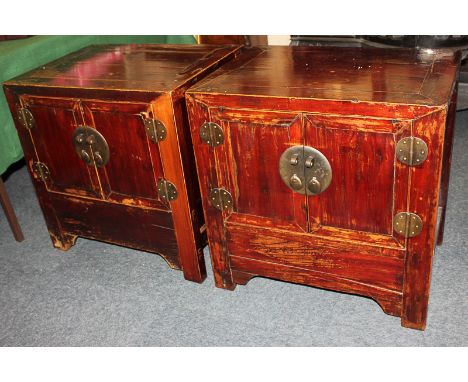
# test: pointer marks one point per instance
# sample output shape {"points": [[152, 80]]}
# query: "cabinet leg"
{"points": [[419, 325], [10, 213], [446, 163], [62, 241], [221, 270], [223, 281], [416, 290], [200, 275]]}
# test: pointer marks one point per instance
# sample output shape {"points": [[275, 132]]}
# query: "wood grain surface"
{"points": [[112, 89], [353, 105]]}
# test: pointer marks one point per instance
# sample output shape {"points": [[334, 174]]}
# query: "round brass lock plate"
{"points": [[318, 172], [91, 146], [305, 170]]}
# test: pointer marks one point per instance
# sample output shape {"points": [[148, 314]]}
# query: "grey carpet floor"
{"points": [[98, 294]]}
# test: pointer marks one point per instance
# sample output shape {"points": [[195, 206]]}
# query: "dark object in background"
{"points": [[222, 39], [329, 170], [247, 40], [455, 42], [106, 140], [402, 41], [420, 41], [13, 37]]}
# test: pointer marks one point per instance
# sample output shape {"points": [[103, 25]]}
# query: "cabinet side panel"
{"points": [[190, 170], [190, 256], [423, 201], [208, 178], [448, 143]]}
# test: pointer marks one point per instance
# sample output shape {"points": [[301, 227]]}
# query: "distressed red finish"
{"points": [[112, 89], [353, 105]]}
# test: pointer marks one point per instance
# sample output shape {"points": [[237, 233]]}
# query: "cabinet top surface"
{"points": [[405, 76], [148, 67]]}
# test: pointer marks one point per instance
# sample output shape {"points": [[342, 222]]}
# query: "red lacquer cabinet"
{"points": [[106, 139], [327, 167]]}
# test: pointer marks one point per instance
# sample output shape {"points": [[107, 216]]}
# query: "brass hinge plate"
{"points": [[220, 198], [167, 191], [212, 134], [411, 151], [155, 129], [41, 171], [407, 224], [26, 118]]}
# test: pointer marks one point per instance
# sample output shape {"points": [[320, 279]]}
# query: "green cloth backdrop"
{"points": [[19, 56]]}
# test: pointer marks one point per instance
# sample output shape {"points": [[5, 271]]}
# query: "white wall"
{"points": [[279, 39]]}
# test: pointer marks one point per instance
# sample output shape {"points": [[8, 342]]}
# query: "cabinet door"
{"points": [[130, 176], [55, 121], [248, 163], [369, 185]]}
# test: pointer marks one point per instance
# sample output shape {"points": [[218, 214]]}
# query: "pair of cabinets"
{"points": [[320, 166]]}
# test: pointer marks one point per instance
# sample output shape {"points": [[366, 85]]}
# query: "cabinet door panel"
{"points": [[249, 160], [130, 176], [368, 183], [55, 121]]}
